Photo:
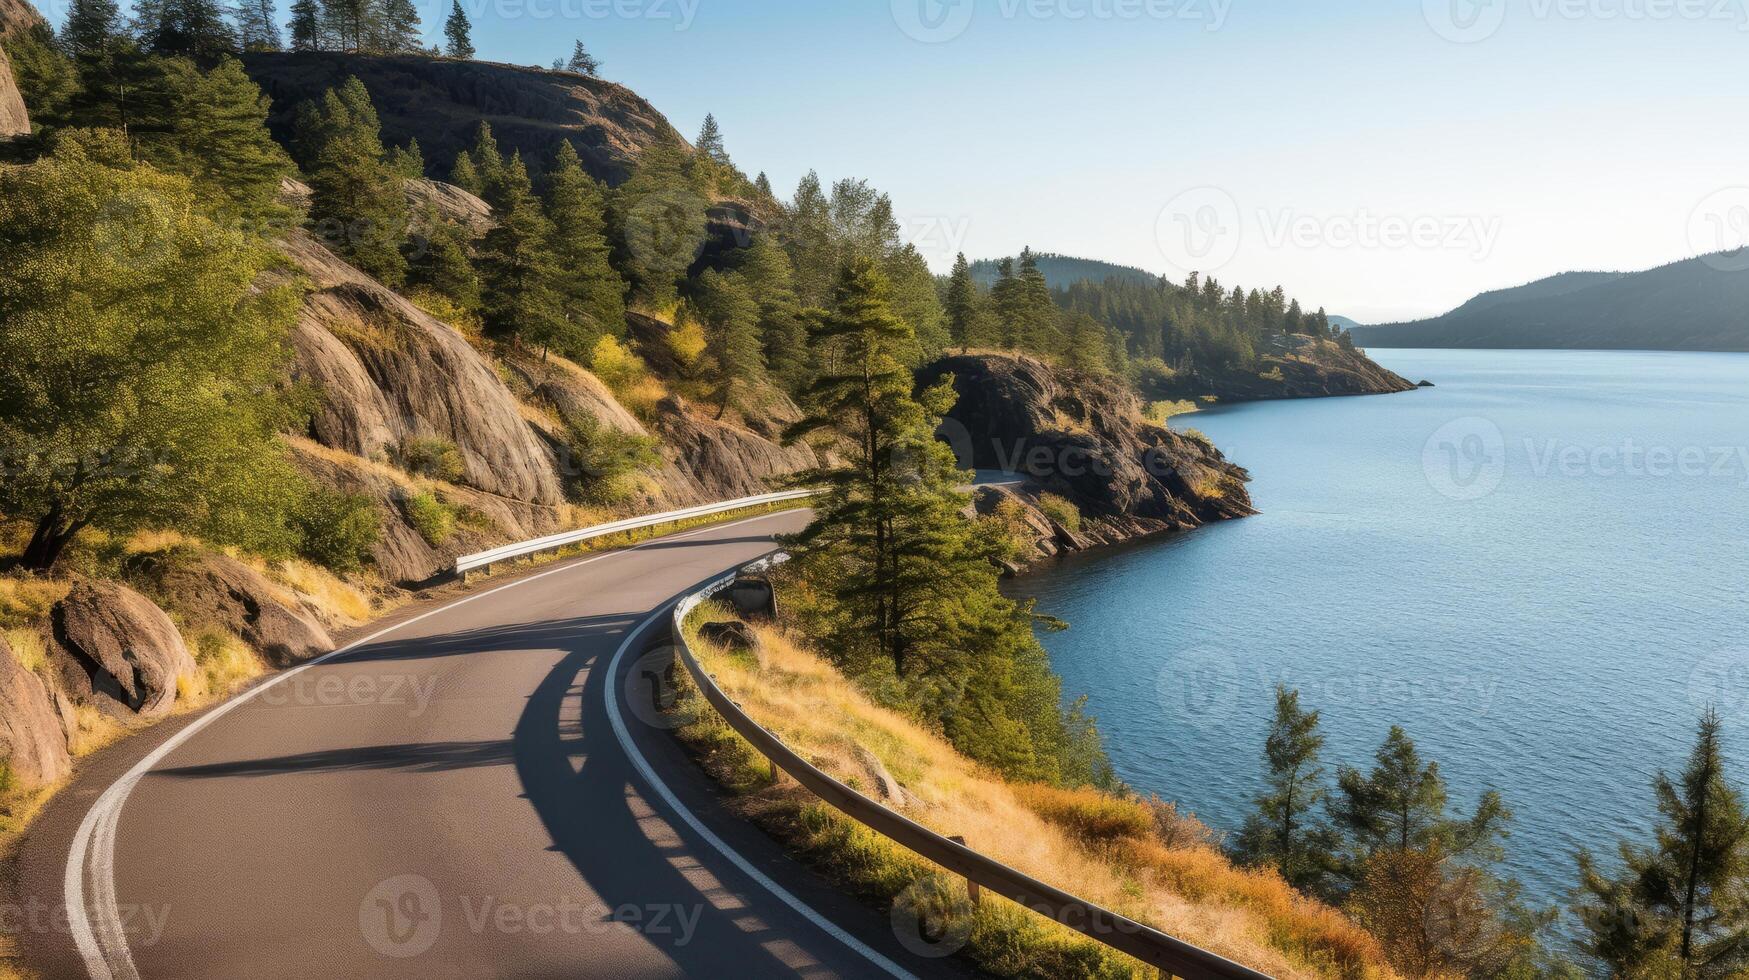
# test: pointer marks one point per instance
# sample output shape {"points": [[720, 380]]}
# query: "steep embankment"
{"points": [[441, 102], [1082, 439], [15, 16], [1302, 367], [1699, 304]]}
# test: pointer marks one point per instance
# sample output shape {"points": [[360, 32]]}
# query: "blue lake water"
{"points": [[1537, 568]]}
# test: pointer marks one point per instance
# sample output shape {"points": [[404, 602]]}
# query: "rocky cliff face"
{"points": [[1302, 368], [15, 16], [441, 102], [1082, 439]]}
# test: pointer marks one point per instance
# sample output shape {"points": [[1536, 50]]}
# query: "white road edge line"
{"points": [[103, 945], [609, 687]]}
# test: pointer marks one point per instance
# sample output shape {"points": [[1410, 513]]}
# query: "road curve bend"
{"points": [[473, 791]]}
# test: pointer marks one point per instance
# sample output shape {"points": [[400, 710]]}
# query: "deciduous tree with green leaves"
{"points": [[138, 361]]}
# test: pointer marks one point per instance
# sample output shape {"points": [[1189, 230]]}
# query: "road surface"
{"points": [[448, 799]]}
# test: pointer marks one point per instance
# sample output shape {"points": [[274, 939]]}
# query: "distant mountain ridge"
{"points": [[1697, 304], [1066, 270]]}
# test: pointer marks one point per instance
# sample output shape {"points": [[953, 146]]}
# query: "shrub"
{"points": [[7, 781], [603, 458], [1092, 817], [1061, 510], [338, 529], [432, 518], [625, 375], [1159, 412], [1273, 374], [432, 457]]}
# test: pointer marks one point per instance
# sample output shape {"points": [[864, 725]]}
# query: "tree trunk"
{"points": [[53, 534]]}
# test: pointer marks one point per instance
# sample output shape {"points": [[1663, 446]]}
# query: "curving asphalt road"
{"points": [[476, 790]]}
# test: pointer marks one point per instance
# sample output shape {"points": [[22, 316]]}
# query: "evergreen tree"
{"points": [[783, 334], [710, 141], [1678, 907], [463, 174], [47, 79], [1401, 806], [522, 299], [257, 26], [217, 134], [396, 25], [306, 30], [731, 318], [193, 29], [408, 161], [489, 166], [139, 359], [762, 184], [350, 23], [1008, 302], [458, 33], [659, 220], [440, 262], [807, 237], [113, 77], [356, 200], [92, 30], [963, 300], [1288, 830], [592, 292], [1085, 346], [582, 62], [1037, 330]]}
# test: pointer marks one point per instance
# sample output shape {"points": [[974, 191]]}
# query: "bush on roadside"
{"points": [[432, 518], [338, 529]]}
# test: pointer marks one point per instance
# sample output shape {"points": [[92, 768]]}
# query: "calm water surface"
{"points": [[1537, 568]]}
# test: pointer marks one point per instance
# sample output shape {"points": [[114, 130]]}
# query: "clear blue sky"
{"points": [[1565, 134]]}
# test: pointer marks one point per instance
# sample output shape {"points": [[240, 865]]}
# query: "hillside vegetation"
{"points": [[1699, 304]]}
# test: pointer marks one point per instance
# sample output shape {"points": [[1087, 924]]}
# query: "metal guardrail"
{"points": [[1173, 957], [483, 561]]}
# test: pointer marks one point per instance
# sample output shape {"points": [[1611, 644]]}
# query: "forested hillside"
{"points": [[1699, 304]]}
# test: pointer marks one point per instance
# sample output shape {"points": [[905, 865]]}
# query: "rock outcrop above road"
{"points": [[212, 590], [116, 649], [15, 16], [1303, 368], [1081, 438], [32, 745], [440, 102]]}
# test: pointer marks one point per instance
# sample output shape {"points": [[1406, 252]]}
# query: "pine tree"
{"points": [[1401, 806], [257, 26], [783, 334], [1678, 907], [489, 166], [463, 174], [92, 29], [409, 160], [306, 30], [807, 237], [458, 33], [731, 318], [762, 184], [397, 27], [1085, 346], [522, 301], [592, 292], [350, 23], [440, 261], [218, 136], [963, 300], [194, 29], [1009, 305], [582, 62], [659, 219], [356, 199], [1288, 830], [1037, 330]]}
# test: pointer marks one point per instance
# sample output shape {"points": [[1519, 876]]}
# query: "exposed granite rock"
{"points": [[389, 373], [32, 744], [725, 460], [1082, 438], [213, 590], [441, 101], [1302, 368], [115, 648], [15, 16], [452, 204]]}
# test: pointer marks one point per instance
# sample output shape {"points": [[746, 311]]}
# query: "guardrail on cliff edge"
{"points": [[1173, 957], [483, 561]]}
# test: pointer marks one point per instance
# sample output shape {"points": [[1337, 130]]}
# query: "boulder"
{"points": [[32, 744], [388, 373], [729, 635], [213, 590], [14, 121], [117, 649]]}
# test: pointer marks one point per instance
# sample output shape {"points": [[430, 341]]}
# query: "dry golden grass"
{"points": [[340, 603], [1105, 849], [27, 600], [27, 648], [226, 665]]}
